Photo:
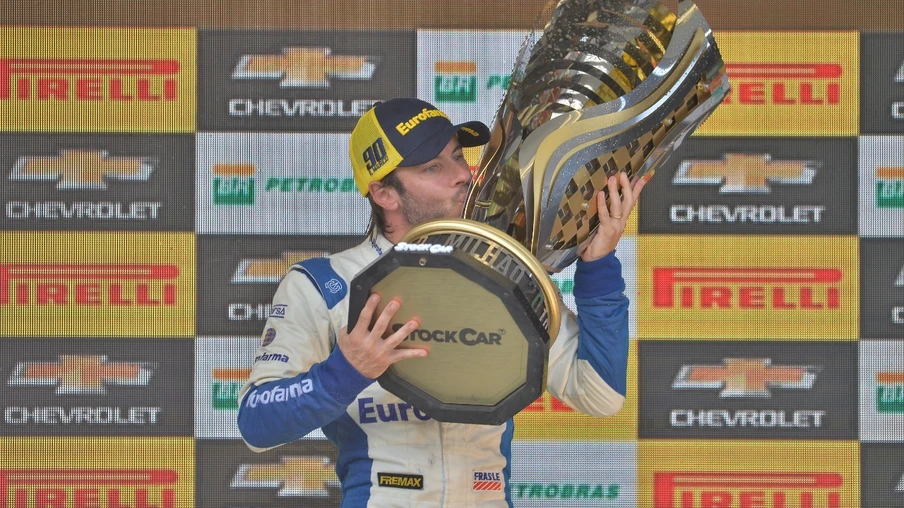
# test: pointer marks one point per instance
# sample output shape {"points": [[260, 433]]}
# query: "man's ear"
{"points": [[385, 196]]}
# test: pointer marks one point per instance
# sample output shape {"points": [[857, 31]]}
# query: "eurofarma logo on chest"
{"points": [[769, 287], [97, 79], [789, 83], [91, 284]]}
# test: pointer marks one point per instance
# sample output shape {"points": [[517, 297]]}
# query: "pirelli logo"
{"points": [[783, 84], [88, 285], [81, 374], [293, 476], [89, 79], [271, 270], [35, 487], [82, 169], [746, 288], [746, 490], [306, 67]]}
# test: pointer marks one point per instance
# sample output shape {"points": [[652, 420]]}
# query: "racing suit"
{"points": [[390, 453]]}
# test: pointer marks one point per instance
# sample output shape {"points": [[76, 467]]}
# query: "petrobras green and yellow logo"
{"points": [[890, 187], [237, 185], [455, 81]]}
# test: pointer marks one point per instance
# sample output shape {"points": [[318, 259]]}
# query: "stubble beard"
{"points": [[418, 211]]}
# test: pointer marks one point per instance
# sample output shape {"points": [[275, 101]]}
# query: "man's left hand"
{"points": [[614, 218]]}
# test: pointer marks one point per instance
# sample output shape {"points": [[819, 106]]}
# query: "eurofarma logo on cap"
{"points": [[96, 284], [318, 81], [781, 86], [88, 80], [277, 184], [98, 181]]}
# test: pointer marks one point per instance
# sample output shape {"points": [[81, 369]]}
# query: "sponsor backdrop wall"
{"points": [[163, 167]]}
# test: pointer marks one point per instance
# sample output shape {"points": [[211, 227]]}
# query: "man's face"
{"points": [[436, 189]]}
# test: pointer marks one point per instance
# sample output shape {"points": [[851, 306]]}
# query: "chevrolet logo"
{"points": [[305, 67], [745, 173], [271, 271], [746, 377], [293, 476], [81, 374], [81, 169]]}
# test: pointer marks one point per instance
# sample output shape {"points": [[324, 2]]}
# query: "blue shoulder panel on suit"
{"points": [[319, 270]]}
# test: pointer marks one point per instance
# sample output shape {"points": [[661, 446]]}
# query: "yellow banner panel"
{"points": [[748, 287], [138, 284], [549, 419], [97, 472], [748, 474], [789, 84], [97, 79]]}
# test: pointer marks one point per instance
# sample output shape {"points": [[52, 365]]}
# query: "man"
{"points": [[407, 160]]}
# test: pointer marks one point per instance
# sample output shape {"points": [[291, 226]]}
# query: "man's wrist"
{"points": [[599, 277]]}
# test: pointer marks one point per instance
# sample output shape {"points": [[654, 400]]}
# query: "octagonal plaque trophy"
{"points": [[608, 86]]}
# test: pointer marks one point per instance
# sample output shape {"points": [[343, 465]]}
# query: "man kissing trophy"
{"points": [[608, 87]]}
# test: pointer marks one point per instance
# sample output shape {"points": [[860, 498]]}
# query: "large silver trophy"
{"points": [[608, 86]]}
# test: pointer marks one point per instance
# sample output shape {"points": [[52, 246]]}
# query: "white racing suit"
{"points": [[390, 453]]}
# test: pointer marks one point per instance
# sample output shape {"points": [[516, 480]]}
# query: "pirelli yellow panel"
{"points": [[748, 287], [82, 79], [549, 419], [789, 84], [766, 474], [97, 472], [97, 284]]}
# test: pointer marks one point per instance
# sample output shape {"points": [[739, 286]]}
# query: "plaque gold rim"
{"points": [[515, 248]]}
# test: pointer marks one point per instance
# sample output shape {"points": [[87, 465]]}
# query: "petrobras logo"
{"points": [[81, 374], [375, 412], [307, 68], [424, 248], [84, 285], [82, 170], [747, 288], [890, 392], [291, 476], [89, 79], [226, 383], [455, 81], [745, 377], [278, 393], [890, 187], [812, 84], [466, 336], [747, 489], [120, 487], [236, 185], [746, 174]]}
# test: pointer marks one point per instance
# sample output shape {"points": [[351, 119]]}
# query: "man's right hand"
{"points": [[367, 350]]}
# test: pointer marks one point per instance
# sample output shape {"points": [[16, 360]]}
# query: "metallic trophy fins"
{"points": [[610, 86]]}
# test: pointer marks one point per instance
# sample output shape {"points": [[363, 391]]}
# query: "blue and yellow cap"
{"points": [[404, 132]]}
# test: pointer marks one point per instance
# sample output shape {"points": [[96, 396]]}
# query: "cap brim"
{"points": [[472, 133]]}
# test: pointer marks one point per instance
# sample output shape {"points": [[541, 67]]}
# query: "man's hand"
{"points": [[367, 350], [614, 218]]}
